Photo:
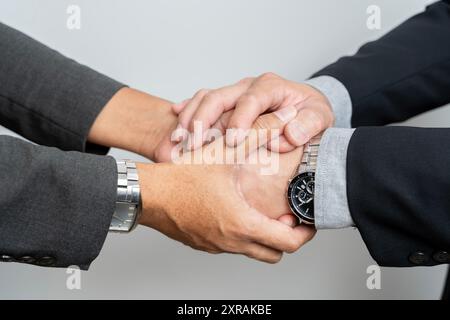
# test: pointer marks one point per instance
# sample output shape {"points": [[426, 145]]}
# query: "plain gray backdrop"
{"points": [[171, 49]]}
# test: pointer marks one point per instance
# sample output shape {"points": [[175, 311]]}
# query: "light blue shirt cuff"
{"points": [[338, 97], [331, 209]]}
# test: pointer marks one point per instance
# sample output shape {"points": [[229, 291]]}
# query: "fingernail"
{"points": [[286, 114], [297, 132], [235, 136]]}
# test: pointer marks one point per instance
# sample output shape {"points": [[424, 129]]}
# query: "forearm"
{"points": [[47, 97], [134, 121]]}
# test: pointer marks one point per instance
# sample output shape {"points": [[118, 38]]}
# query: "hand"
{"points": [[239, 105], [226, 208], [263, 177], [202, 206], [137, 122]]}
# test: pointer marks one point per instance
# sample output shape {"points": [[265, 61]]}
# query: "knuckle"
{"points": [[183, 118], [253, 100], [201, 92], [292, 246], [246, 81], [268, 76], [251, 255], [275, 258], [248, 97], [315, 118], [213, 96], [269, 258]]}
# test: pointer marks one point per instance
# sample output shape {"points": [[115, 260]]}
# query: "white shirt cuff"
{"points": [[331, 209], [338, 97]]}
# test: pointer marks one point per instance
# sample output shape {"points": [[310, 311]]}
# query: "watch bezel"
{"points": [[296, 211]]}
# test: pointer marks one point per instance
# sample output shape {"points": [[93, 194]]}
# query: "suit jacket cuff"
{"points": [[330, 201], [338, 97], [54, 204]]}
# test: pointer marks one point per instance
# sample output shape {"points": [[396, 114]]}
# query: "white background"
{"points": [[171, 49]]}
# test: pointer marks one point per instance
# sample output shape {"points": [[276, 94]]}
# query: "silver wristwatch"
{"points": [[128, 203], [300, 192], [310, 154]]}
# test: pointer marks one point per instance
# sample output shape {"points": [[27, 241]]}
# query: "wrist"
{"points": [[128, 204], [134, 121], [154, 187], [268, 192]]}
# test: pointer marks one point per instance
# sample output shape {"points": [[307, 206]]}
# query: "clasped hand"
{"points": [[219, 206]]}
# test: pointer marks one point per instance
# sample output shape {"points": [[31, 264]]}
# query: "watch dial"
{"points": [[301, 196]]}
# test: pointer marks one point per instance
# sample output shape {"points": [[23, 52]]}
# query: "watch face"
{"points": [[301, 196]]}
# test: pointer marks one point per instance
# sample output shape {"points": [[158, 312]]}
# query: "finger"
{"points": [[306, 231], [262, 253], [280, 144], [248, 109], [178, 107], [266, 128], [222, 123], [186, 114], [216, 102], [265, 93], [274, 234], [289, 220], [308, 123]]}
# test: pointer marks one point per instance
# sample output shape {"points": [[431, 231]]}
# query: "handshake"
{"points": [[210, 187]]}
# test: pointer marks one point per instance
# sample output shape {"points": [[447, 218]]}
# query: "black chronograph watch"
{"points": [[300, 191]]}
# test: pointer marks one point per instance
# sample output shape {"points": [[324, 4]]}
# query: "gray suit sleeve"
{"points": [[56, 206], [47, 97]]}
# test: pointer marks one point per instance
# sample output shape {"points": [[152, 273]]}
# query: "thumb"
{"points": [[266, 128], [308, 123], [276, 120]]}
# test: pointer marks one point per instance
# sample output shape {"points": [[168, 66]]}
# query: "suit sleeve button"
{"points": [[441, 257], [418, 258], [6, 258], [27, 259], [46, 261]]}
